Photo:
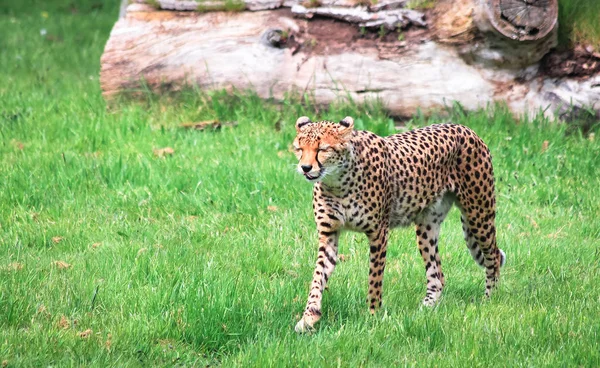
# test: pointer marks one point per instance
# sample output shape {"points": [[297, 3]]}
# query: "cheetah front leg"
{"points": [[378, 249], [326, 261]]}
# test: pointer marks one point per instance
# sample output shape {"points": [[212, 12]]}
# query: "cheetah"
{"points": [[370, 184]]}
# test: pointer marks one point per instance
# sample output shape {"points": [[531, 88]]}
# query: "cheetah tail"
{"points": [[503, 255]]}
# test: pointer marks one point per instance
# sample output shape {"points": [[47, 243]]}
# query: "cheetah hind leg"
{"points": [[428, 230], [484, 250]]}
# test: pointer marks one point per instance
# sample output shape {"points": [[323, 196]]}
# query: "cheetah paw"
{"points": [[430, 301], [304, 327]]}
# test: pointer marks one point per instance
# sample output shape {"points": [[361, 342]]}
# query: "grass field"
{"points": [[579, 22], [111, 256]]}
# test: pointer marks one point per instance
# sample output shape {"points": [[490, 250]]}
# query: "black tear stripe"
{"points": [[317, 159]]}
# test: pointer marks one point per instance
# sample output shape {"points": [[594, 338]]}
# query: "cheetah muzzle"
{"points": [[370, 184]]}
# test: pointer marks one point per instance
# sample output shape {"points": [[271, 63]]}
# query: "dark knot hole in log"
{"points": [[274, 37]]}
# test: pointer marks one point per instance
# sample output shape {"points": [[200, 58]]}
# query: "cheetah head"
{"points": [[322, 147]]}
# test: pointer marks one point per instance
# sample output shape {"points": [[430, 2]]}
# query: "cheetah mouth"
{"points": [[312, 177]]}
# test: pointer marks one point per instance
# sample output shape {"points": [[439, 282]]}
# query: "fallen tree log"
{"points": [[463, 55]]}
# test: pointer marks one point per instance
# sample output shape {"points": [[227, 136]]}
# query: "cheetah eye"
{"points": [[325, 148]]}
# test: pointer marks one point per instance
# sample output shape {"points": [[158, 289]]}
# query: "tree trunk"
{"points": [[472, 51]]}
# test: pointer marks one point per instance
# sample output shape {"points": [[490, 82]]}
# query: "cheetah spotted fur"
{"points": [[366, 183]]}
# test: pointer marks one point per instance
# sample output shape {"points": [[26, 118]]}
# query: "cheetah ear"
{"points": [[346, 125], [302, 121], [348, 122]]}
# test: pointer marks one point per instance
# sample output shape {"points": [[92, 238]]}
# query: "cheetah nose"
{"points": [[306, 168]]}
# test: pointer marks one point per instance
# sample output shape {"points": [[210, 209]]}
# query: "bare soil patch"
{"points": [[329, 36]]}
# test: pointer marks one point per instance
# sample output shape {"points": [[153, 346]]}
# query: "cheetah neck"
{"points": [[336, 183]]}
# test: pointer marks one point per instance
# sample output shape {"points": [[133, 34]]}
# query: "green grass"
{"points": [[420, 4], [226, 5], [193, 267], [579, 22]]}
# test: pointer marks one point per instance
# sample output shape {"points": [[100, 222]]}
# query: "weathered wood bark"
{"points": [[365, 16], [168, 50]]}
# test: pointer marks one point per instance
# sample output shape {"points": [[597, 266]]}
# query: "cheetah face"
{"points": [[321, 147]]}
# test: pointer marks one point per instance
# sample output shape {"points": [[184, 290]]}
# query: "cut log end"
{"points": [[523, 20]]}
